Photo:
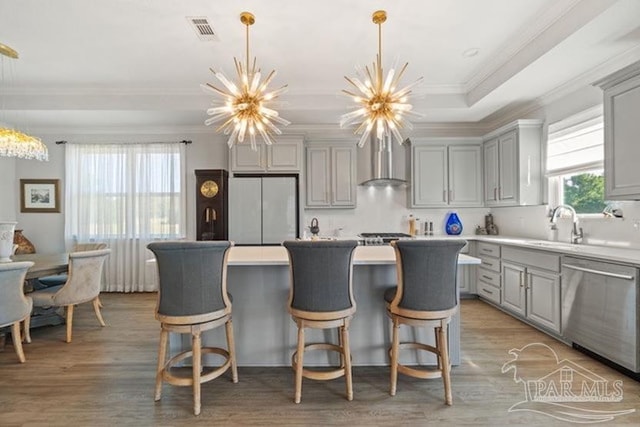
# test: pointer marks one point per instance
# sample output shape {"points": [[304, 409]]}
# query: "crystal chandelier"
{"points": [[243, 105], [378, 102], [14, 143]]}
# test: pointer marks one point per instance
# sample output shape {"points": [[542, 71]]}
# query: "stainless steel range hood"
{"points": [[383, 163]]}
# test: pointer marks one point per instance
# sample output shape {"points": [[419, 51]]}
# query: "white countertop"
{"points": [[603, 252], [277, 255]]}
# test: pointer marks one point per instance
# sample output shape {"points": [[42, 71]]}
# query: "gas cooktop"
{"points": [[381, 238]]}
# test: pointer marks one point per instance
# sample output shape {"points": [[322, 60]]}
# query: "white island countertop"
{"points": [[277, 255]]}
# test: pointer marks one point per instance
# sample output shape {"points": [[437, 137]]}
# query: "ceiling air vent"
{"points": [[202, 28]]}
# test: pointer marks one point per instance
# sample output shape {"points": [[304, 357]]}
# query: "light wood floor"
{"points": [[106, 378]]}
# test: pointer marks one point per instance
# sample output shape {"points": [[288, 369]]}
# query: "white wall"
{"points": [[8, 186], [46, 230]]}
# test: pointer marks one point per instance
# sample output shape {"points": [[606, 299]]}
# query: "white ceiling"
{"points": [[123, 63]]}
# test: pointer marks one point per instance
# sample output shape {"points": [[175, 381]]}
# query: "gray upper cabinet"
{"points": [[330, 176], [446, 173], [283, 156], [621, 130], [512, 164]]}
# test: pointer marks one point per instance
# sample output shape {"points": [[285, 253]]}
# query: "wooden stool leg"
{"points": [[27, 329], [446, 366], [96, 308], [69, 321], [438, 344], [341, 345], [162, 354], [16, 336], [299, 362], [232, 350], [196, 343], [395, 343], [344, 332], [99, 302]]}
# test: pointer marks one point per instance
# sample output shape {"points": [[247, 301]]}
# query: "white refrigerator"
{"points": [[263, 210]]}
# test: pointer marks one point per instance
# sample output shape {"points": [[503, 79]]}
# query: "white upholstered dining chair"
{"points": [[83, 285], [15, 307], [61, 279]]}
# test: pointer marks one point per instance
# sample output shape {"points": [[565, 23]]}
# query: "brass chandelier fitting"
{"points": [[243, 105], [379, 104]]}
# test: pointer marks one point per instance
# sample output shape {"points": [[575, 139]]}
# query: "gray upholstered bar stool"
{"points": [[426, 294], [192, 299], [321, 297]]}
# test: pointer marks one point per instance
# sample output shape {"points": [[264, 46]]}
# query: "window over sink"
{"points": [[575, 162]]}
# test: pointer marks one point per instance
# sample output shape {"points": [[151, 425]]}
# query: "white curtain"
{"points": [[125, 195]]}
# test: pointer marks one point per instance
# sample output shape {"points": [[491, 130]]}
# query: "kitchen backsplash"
{"points": [[533, 222], [385, 210]]}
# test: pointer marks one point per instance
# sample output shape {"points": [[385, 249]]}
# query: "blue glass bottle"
{"points": [[453, 226]]}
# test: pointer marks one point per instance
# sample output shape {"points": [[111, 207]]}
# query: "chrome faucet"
{"points": [[576, 232]]}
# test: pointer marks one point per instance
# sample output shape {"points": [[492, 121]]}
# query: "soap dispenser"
{"points": [[453, 225]]}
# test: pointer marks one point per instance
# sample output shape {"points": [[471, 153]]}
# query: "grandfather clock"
{"points": [[212, 204]]}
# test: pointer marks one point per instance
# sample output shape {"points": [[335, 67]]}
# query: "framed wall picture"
{"points": [[40, 195]]}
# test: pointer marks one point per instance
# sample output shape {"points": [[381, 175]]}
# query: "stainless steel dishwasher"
{"points": [[599, 309]]}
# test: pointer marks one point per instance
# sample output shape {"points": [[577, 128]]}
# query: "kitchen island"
{"points": [[265, 335]]}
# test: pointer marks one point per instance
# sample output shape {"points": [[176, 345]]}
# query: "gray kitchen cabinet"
{"points": [[445, 175], [531, 286], [488, 277], [330, 176], [285, 155], [543, 298], [621, 130], [465, 285], [464, 276], [512, 164], [513, 288]]}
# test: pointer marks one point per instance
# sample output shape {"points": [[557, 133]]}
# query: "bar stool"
{"points": [[321, 297], [192, 299], [426, 294]]}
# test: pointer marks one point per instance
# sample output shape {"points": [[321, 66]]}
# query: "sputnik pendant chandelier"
{"points": [[381, 107], [243, 107]]}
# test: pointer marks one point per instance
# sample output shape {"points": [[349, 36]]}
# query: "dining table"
{"points": [[43, 265]]}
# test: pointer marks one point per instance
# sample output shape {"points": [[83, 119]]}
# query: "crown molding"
{"points": [[545, 31]]}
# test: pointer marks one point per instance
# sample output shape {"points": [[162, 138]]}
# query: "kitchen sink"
{"points": [[556, 245]]}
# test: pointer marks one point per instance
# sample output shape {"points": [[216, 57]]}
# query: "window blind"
{"points": [[575, 147]]}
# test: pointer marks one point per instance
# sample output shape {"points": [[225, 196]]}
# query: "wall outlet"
{"points": [[636, 224]]}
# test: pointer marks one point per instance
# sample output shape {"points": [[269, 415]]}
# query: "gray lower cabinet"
{"points": [[330, 176], [488, 283], [465, 284], [531, 286], [513, 288]]}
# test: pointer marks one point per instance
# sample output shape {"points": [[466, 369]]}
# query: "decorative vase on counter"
{"points": [[6, 240], [454, 225], [24, 245]]}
